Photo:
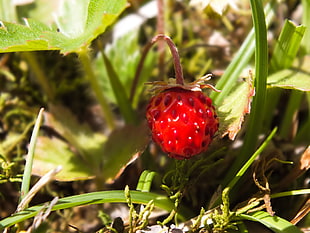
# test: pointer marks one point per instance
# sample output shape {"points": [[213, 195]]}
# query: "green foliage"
{"points": [[120, 93], [290, 79], [86, 153], [134, 140], [96, 152], [49, 153], [306, 22], [240, 61], [94, 198], [145, 181], [138, 221], [274, 223], [29, 160], [235, 107], [75, 27], [125, 63], [287, 46]]}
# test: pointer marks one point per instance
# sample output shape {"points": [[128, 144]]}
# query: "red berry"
{"points": [[182, 121]]}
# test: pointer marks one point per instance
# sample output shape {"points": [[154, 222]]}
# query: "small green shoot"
{"points": [[145, 181], [29, 160], [274, 223]]}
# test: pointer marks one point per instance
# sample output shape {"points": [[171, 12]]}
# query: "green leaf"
{"points": [[72, 16], [16, 37], [86, 142], [30, 156], [75, 28], [287, 46], [38, 10], [283, 56], [274, 223], [145, 181], [235, 106], [106, 157], [125, 62], [96, 198], [306, 22], [122, 147], [261, 72], [239, 63], [120, 93], [290, 79], [52, 152]]}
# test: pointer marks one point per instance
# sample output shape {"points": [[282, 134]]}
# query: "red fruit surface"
{"points": [[182, 122]]}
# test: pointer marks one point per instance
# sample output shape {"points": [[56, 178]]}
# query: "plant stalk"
{"points": [[29, 159], [85, 60], [261, 73], [176, 61], [39, 74]]}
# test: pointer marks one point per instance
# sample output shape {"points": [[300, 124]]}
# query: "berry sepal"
{"points": [[197, 85]]}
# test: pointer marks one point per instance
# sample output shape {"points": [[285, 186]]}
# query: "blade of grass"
{"points": [[94, 82], [291, 193], [261, 72], [37, 187], [306, 22], [293, 105], [287, 46], [248, 163], [40, 75], [283, 57], [275, 223], [145, 181], [240, 61], [119, 92], [98, 198], [29, 159]]}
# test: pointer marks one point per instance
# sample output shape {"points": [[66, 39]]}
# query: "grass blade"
{"points": [[248, 163], [245, 167], [291, 193], [29, 160], [306, 22], [119, 92], [287, 46], [241, 60], [275, 223], [97, 198], [145, 181], [261, 73], [94, 82]]}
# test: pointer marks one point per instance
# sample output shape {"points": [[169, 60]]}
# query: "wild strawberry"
{"points": [[183, 121]]}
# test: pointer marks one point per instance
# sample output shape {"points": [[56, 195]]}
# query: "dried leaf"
{"points": [[305, 209], [305, 160], [235, 106], [122, 148]]}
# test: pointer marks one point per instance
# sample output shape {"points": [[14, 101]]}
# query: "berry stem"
{"points": [[176, 61], [175, 54]]}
